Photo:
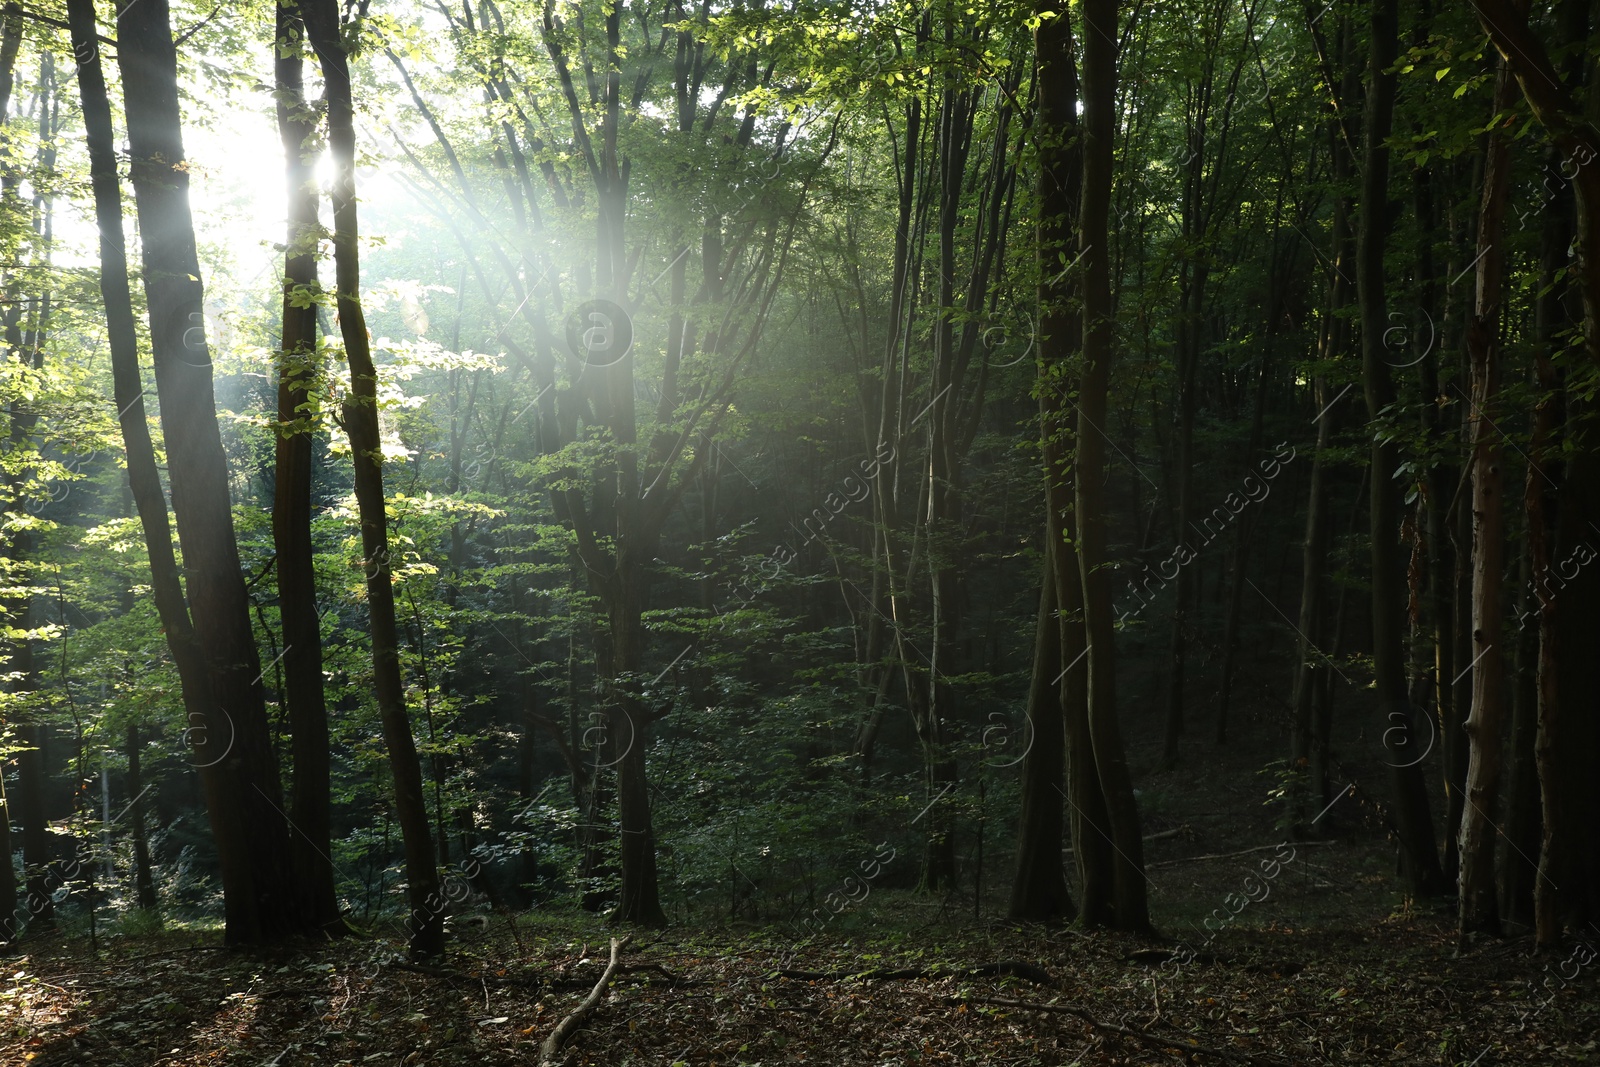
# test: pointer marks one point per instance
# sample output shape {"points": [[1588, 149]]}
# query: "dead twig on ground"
{"points": [[1000, 968], [551, 1048]]}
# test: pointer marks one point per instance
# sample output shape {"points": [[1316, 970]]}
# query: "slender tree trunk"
{"points": [[35, 822], [1093, 513], [426, 919], [144, 886], [1419, 857], [1506, 23], [1479, 908], [10, 42], [1309, 786], [1244, 535], [1441, 480], [8, 876], [1038, 891], [310, 806], [1517, 868], [1313, 676], [1541, 497]]}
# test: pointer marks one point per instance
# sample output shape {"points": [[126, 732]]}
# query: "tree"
{"points": [[1419, 856], [426, 918], [1056, 693], [299, 367], [1479, 908], [1131, 910], [221, 674]]}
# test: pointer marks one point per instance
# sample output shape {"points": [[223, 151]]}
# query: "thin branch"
{"points": [[551, 1048]]}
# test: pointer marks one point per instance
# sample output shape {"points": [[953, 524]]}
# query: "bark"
{"points": [[943, 517], [1568, 793], [1479, 908], [1192, 290], [1419, 857], [298, 367], [144, 886], [550, 1047], [35, 821], [1441, 480], [1517, 868], [1038, 890], [1569, 860], [1541, 497], [1309, 764], [426, 918], [206, 731], [1506, 23], [1060, 333], [10, 41], [1131, 910], [197, 466], [8, 876], [1313, 677]]}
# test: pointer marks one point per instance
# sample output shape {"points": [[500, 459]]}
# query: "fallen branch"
{"points": [[565, 980], [1192, 1048], [1162, 836], [1241, 852], [551, 1048], [1011, 968]]}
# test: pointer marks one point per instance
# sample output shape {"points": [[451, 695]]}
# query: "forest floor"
{"points": [[1310, 956]]}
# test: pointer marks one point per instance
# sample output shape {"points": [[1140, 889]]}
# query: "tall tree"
{"points": [[1056, 693], [1479, 909], [1419, 855], [216, 696], [1567, 892], [426, 919], [1100, 35], [10, 44], [298, 370]]}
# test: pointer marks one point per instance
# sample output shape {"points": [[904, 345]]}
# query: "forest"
{"points": [[799, 531]]}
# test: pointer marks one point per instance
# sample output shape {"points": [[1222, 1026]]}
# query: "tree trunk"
{"points": [[10, 42], [1419, 857], [1479, 908], [35, 822], [1092, 473], [144, 886], [1568, 890], [426, 919], [1038, 891], [1313, 675], [8, 876], [217, 599], [1441, 480], [310, 807], [222, 804], [1060, 185], [1244, 535]]}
